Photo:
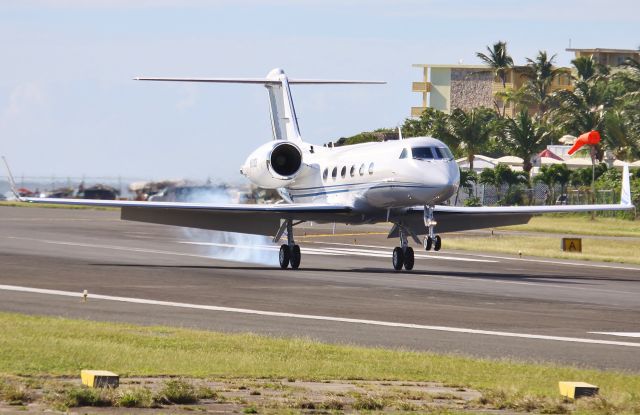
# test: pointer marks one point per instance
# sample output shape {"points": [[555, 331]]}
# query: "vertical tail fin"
{"points": [[284, 121]]}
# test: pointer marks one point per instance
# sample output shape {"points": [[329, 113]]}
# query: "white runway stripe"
{"points": [[616, 333], [319, 318], [358, 250]]}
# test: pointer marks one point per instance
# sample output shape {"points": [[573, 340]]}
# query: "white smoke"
{"points": [[229, 246]]}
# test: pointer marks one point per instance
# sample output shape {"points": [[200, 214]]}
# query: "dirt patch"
{"points": [[243, 396]]}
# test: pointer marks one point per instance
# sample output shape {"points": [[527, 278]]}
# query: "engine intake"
{"points": [[285, 159]]}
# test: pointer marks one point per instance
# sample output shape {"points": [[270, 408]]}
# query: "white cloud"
{"points": [[24, 97]]}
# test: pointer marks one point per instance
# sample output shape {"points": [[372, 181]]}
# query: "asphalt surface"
{"points": [[476, 304]]}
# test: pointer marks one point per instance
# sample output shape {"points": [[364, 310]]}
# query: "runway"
{"points": [[487, 305]]}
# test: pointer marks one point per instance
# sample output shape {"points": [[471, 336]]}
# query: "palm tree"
{"points": [[498, 59], [586, 67], [467, 179], [469, 131], [525, 136], [552, 175], [501, 175], [540, 74]]}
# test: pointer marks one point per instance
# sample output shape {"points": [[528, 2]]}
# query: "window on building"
{"points": [[334, 173], [371, 168], [343, 172]]}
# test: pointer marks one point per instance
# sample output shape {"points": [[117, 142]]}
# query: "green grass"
{"points": [[55, 346], [580, 224], [52, 206], [606, 250]]}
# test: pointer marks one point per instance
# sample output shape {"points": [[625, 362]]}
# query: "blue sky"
{"points": [[69, 106]]}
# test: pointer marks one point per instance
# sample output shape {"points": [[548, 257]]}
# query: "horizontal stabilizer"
{"points": [[263, 81]]}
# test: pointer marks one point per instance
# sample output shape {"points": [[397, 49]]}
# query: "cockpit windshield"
{"points": [[430, 153]]}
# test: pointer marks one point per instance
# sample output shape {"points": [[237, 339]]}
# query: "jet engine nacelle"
{"points": [[274, 164]]}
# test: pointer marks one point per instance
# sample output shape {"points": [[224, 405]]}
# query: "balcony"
{"points": [[417, 111], [421, 86]]}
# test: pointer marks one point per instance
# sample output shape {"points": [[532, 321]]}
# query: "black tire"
{"points": [[428, 242], [296, 256], [398, 258], [437, 244], [409, 259], [285, 255]]}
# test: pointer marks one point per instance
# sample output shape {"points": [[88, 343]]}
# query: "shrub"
{"points": [[14, 394], [368, 403], [177, 391], [135, 398], [83, 396]]}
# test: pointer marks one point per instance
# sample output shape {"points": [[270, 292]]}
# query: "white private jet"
{"points": [[400, 182]]}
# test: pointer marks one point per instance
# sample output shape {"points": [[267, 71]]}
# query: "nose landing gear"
{"points": [[431, 240]]}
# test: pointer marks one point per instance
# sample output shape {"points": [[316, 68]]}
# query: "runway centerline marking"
{"points": [[459, 330]]}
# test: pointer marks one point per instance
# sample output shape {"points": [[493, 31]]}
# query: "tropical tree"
{"points": [[540, 73], [502, 175], [525, 136], [469, 131], [430, 123], [467, 179], [498, 59], [552, 175]]}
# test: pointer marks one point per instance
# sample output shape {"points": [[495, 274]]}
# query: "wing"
{"points": [[459, 218], [244, 218]]}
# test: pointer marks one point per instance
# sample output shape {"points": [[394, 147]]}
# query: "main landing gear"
{"points": [[290, 252], [403, 255]]}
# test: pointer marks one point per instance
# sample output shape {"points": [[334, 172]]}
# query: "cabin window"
{"points": [[422, 153], [362, 170], [352, 172], [325, 174], [403, 155], [343, 172], [371, 168], [334, 173]]}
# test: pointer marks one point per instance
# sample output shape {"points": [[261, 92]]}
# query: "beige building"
{"points": [[608, 57], [446, 87]]}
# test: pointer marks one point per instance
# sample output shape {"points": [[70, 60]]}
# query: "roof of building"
{"points": [[603, 50], [510, 160], [449, 65]]}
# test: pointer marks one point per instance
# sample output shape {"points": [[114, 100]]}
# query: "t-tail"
{"points": [[284, 121]]}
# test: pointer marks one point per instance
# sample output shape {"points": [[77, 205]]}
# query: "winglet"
{"points": [[12, 182], [400, 133], [625, 193]]}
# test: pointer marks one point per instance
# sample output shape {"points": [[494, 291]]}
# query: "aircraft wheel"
{"points": [[398, 258], [284, 256], [296, 256], [437, 243], [409, 259], [428, 242]]}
